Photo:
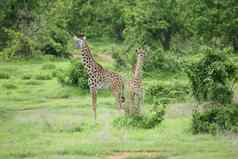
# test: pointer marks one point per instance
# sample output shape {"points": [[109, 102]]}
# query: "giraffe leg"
{"points": [[116, 94], [141, 100], [119, 99], [131, 102], [137, 103], [94, 100]]}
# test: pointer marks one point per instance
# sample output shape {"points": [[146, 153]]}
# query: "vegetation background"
{"points": [[190, 68]]}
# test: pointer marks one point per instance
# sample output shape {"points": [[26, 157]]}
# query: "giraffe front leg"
{"points": [[131, 100], [116, 94], [118, 100], [138, 104], [142, 100], [94, 101], [133, 103]]}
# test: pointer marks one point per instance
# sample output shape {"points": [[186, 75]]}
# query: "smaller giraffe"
{"points": [[98, 77], [135, 86]]}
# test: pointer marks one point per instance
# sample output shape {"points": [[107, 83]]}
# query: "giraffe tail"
{"points": [[123, 99]]}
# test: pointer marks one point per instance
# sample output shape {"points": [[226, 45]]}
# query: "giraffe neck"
{"points": [[87, 58], [138, 69]]}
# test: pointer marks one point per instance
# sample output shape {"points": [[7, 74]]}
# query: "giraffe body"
{"points": [[135, 86], [98, 77]]}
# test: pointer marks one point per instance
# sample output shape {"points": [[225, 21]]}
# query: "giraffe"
{"points": [[135, 86], [98, 77]]}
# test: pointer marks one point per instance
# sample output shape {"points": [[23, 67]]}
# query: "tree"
{"points": [[18, 24], [34, 26], [97, 18], [154, 20], [216, 21]]}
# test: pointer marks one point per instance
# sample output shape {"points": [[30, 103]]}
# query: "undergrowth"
{"points": [[217, 118], [147, 121], [74, 76]]}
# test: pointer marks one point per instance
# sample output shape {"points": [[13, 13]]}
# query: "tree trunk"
{"points": [[165, 39], [235, 43]]}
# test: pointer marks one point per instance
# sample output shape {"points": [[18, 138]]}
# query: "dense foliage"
{"points": [[166, 93], [216, 21], [32, 27], [45, 27], [146, 121], [216, 119], [150, 22], [212, 78], [74, 76]]}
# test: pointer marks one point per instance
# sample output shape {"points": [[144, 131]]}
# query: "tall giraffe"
{"points": [[98, 77], [135, 86]]}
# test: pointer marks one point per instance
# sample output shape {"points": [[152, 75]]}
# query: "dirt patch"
{"points": [[180, 110], [136, 154], [120, 156], [104, 57]]}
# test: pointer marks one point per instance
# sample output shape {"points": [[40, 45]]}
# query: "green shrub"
{"points": [[33, 82], [4, 75], [26, 77], [62, 76], [76, 129], [215, 119], [55, 41], [43, 77], [74, 76], [212, 78], [119, 60], [19, 45], [167, 93], [48, 67], [158, 60], [9, 85], [147, 121]]}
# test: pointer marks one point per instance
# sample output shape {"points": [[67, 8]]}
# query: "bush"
{"points": [[74, 76], [167, 93], [119, 60], [215, 119], [19, 45], [43, 77], [55, 41], [33, 82], [4, 75], [148, 121], [9, 86], [48, 67], [158, 60], [26, 77], [212, 78]]}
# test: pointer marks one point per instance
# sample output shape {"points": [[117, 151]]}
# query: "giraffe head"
{"points": [[140, 53], [80, 41], [140, 60]]}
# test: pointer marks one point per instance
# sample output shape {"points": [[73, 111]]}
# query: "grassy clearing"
{"points": [[41, 119]]}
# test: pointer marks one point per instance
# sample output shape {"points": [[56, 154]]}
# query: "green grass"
{"points": [[42, 119]]}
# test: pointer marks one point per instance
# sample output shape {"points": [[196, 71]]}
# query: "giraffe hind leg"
{"points": [[117, 95]]}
